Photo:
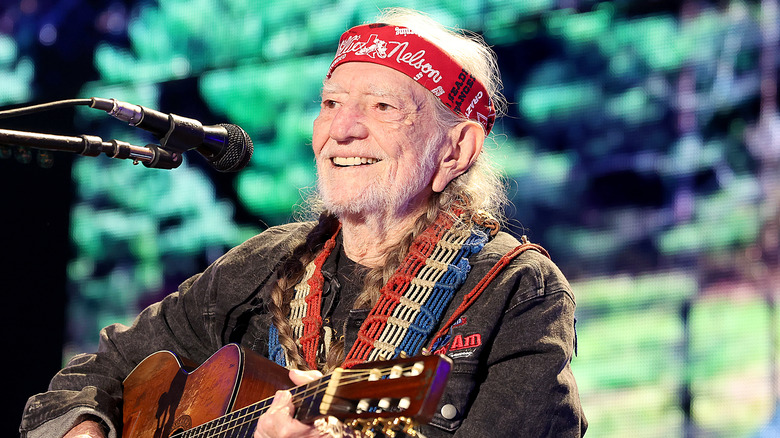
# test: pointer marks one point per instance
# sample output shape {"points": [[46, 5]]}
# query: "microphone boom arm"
{"points": [[227, 147], [151, 155]]}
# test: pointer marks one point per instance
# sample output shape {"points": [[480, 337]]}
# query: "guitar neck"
{"points": [[241, 422]]}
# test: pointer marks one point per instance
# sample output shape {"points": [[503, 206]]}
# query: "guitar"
{"points": [[165, 396]]}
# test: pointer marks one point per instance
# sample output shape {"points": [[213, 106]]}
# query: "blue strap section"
{"points": [[443, 292], [275, 350], [443, 340]]}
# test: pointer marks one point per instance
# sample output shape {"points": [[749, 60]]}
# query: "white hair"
{"points": [[466, 48], [482, 185]]}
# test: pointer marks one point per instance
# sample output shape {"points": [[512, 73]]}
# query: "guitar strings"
{"points": [[248, 413], [261, 406]]}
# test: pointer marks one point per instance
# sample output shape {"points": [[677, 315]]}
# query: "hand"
{"points": [[86, 429], [277, 421]]}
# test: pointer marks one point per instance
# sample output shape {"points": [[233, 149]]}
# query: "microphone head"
{"points": [[237, 152]]}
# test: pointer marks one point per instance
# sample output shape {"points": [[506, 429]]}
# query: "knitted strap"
{"points": [[312, 322], [299, 304], [422, 288], [410, 305], [472, 296], [305, 307], [415, 309], [432, 309], [391, 292]]}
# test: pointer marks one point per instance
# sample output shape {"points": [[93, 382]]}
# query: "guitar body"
{"points": [[161, 398], [224, 397]]}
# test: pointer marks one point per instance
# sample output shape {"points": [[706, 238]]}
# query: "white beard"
{"points": [[380, 197]]}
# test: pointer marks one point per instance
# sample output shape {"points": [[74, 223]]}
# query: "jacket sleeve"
{"points": [[522, 383], [90, 385], [190, 322]]}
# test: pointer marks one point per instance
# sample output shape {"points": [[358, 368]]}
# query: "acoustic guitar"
{"points": [[165, 396]]}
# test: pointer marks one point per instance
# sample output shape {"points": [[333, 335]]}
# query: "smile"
{"points": [[353, 161]]}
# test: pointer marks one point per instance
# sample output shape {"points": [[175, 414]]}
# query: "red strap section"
{"points": [[391, 292], [312, 322]]}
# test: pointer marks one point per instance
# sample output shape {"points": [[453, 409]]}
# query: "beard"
{"points": [[381, 196]]}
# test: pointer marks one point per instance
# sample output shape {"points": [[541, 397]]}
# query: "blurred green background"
{"points": [[641, 147]]}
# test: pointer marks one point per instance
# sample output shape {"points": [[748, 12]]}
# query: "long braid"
{"points": [[289, 274], [279, 307]]}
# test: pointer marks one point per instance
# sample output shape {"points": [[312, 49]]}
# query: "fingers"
{"points": [[279, 413], [277, 421], [281, 404], [302, 377]]}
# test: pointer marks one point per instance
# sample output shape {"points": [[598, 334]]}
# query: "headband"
{"points": [[401, 49]]}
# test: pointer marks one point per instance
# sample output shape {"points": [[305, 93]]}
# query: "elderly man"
{"points": [[406, 255]]}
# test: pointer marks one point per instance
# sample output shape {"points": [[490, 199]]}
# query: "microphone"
{"points": [[227, 147]]}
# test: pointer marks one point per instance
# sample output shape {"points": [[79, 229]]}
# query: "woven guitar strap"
{"points": [[411, 303]]}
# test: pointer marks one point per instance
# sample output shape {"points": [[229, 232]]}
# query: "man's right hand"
{"points": [[86, 429]]}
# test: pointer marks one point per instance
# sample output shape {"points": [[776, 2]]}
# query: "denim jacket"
{"points": [[511, 349]]}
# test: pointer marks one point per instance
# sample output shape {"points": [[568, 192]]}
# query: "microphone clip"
{"points": [[176, 133]]}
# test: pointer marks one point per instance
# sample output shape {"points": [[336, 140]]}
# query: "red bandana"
{"points": [[401, 49]]}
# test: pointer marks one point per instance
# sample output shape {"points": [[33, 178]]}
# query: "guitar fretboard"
{"points": [[241, 423]]}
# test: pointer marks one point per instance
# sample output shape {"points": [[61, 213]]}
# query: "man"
{"points": [[405, 256]]}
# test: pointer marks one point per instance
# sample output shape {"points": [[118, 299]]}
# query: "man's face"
{"points": [[374, 141]]}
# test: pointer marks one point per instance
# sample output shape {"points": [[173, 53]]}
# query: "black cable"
{"points": [[43, 107]]}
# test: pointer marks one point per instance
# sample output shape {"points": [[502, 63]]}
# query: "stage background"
{"points": [[641, 149]]}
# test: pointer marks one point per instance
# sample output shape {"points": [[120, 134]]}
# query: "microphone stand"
{"points": [[151, 155]]}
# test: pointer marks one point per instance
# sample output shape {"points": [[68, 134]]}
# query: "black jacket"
{"points": [[511, 349]]}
